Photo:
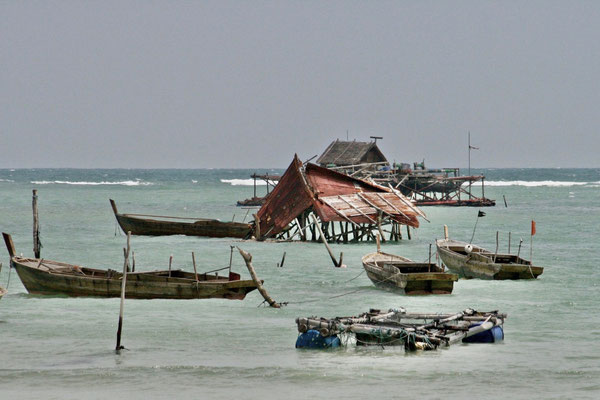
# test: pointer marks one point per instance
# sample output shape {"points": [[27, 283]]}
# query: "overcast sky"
{"points": [[245, 84]]}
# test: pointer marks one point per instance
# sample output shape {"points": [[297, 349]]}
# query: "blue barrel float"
{"points": [[312, 339], [496, 334]]}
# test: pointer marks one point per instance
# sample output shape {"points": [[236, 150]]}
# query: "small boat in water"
{"points": [[158, 225], [401, 274], [473, 261], [41, 276]]}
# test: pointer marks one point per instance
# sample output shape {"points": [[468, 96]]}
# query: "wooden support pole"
{"points": [[256, 227], [133, 261], [408, 232], [36, 226], [170, 262], [446, 232], [378, 244], [379, 218], [316, 223], [194, 262], [118, 348], [248, 260]]}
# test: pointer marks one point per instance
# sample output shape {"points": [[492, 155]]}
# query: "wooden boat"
{"points": [[401, 274], [41, 276], [473, 261], [156, 225]]}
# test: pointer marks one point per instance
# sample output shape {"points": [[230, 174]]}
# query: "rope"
{"points": [[355, 277]]}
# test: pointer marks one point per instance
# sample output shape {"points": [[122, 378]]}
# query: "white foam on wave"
{"points": [[538, 183], [123, 183], [244, 182], [6, 180]]}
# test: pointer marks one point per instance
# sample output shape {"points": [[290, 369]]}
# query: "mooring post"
{"points": [[123, 285], [378, 244], [429, 257], [446, 232], [36, 226], [170, 262], [280, 265], [497, 244]]}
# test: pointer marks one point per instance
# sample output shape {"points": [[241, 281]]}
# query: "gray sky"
{"points": [[174, 84]]}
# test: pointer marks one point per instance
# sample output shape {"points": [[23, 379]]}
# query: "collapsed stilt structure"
{"points": [[348, 209]]}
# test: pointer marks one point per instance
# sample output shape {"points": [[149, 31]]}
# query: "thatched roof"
{"points": [[350, 153]]}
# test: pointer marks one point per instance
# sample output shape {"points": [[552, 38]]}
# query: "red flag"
{"points": [[532, 227]]}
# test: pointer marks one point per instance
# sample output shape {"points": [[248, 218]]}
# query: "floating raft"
{"points": [[414, 331]]}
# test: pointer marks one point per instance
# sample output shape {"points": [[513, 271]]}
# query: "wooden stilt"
{"points": [[316, 223], [170, 262]]}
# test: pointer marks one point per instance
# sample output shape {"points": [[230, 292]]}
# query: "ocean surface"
{"points": [[63, 348]]}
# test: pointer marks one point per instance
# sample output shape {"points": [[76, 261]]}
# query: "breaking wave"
{"points": [[123, 183], [6, 180], [540, 183], [244, 182]]}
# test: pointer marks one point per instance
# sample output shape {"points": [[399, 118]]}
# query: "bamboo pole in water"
{"points": [[123, 284]]}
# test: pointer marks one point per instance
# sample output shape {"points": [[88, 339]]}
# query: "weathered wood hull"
{"points": [[209, 228], [402, 275], [480, 263], [53, 278]]}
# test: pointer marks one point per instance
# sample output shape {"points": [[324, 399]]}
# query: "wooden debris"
{"points": [[414, 331], [248, 260]]}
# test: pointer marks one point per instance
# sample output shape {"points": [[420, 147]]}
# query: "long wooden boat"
{"points": [[404, 275], [473, 261], [46, 277], [156, 225]]}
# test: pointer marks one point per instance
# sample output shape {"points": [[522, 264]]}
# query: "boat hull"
{"points": [[480, 265], [393, 272], [208, 228], [139, 285]]}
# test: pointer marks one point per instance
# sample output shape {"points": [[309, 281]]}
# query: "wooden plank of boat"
{"points": [[473, 261], [40, 276], [156, 225], [401, 274]]}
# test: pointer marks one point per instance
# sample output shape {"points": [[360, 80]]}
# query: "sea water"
{"points": [[63, 348]]}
